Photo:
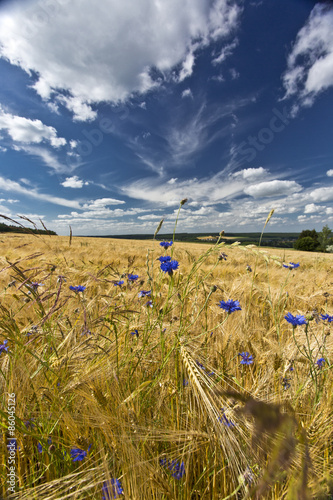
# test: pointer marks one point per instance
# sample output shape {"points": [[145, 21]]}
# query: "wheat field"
{"points": [[122, 393]]}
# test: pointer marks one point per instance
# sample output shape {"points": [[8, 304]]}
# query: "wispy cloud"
{"points": [[226, 52], [215, 189], [8, 185], [47, 157]]}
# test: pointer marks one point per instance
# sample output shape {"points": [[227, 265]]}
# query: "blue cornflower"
{"points": [[200, 365], [164, 258], [34, 285], [135, 333], [320, 362], [224, 420], [4, 347], [78, 288], [149, 303], [296, 320], [119, 283], [77, 454], [177, 469], [86, 332], [29, 423], [111, 489], [247, 358], [166, 244], [144, 293], [169, 266], [291, 265], [132, 277], [327, 317], [39, 446], [230, 305]]}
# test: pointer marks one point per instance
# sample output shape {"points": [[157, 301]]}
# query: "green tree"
{"points": [[325, 237], [312, 233], [308, 244]]}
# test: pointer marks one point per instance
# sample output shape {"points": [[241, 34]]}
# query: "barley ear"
{"points": [[269, 216], [158, 228]]}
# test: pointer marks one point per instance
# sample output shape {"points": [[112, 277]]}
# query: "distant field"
{"points": [[285, 240], [165, 394]]}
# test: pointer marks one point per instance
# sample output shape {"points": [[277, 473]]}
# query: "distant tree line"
{"points": [[5, 228], [311, 241]]}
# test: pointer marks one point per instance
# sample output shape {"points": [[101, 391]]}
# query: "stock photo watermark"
{"points": [[12, 444], [40, 15], [248, 149], [94, 137]]}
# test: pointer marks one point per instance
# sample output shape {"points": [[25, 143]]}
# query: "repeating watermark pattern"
{"points": [[40, 14], [248, 149], [12, 444], [94, 137]]}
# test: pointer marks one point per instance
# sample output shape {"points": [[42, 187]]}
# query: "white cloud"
{"points": [[310, 63], [272, 188], [218, 78], [322, 194], [15, 187], [190, 134], [74, 182], [53, 107], [251, 174], [101, 213], [126, 40], [46, 156], [101, 203], [173, 180], [225, 52], [24, 130], [187, 93], [187, 67], [234, 73], [81, 111], [312, 208], [149, 217], [329, 173], [212, 190], [8, 201]]}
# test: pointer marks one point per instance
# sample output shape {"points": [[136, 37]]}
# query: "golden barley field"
{"points": [[150, 384]]}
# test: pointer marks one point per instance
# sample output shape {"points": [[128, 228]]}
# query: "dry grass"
{"points": [[177, 391]]}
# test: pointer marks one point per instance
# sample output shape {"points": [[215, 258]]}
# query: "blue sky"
{"points": [[112, 112]]}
